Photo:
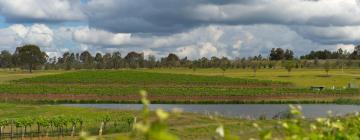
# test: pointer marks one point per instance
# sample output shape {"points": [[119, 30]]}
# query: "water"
{"points": [[238, 110]]}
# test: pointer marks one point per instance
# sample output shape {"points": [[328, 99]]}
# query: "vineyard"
{"points": [[123, 85], [51, 121]]}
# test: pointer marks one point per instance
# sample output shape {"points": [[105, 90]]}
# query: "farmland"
{"points": [[116, 123], [176, 85], [163, 86]]}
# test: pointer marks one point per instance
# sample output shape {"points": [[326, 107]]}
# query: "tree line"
{"points": [[31, 57]]}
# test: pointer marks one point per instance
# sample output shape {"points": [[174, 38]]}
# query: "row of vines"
{"points": [[60, 126]]}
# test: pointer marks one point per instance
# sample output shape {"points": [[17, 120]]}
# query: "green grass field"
{"points": [[300, 77], [9, 75]]}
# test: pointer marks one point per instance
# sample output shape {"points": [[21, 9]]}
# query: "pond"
{"points": [[238, 110]]}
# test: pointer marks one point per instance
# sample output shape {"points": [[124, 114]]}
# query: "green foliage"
{"points": [[30, 56], [153, 129], [327, 67], [138, 78], [288, 65]]}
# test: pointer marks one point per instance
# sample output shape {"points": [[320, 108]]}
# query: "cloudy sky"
{"points": [[193, 28]]}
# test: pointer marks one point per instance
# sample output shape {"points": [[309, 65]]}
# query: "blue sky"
{"points": [[201, 28]]}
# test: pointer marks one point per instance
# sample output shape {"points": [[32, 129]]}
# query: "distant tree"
{"points": [[151, 61], [194, 65], [134, 59], [327, 67], [107, 61], [215, 62], [185, 62], [87, 59], [67, 61], [356, 53], [172, 60], [116, 60], [30, 56], [277, 54], [254, 66], [98, 61], [289, 55], [289, 65], [6, 59], [224, 64]]}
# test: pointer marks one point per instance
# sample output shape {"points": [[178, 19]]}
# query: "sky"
{"points": [[192, 28]]}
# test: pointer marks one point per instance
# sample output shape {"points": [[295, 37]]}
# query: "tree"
{"points": [[277, 54], [289, 55], [30, 56], [151, 61], [172, 60], [134, 59], [224, 64], [98, 61], [6, 60], [289, 65], [116, 60], [327, 67], [107, 61], [254, 66], [86, 59]]}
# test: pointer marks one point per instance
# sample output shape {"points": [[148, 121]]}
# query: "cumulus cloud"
{"points": [[175, 16], [36, 34], [201, 28], [53, 41], [100, 37], [41, 10], [346, 47], [331, 34]]}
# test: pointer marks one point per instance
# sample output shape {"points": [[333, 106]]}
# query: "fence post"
{"points": [[101, 128]]}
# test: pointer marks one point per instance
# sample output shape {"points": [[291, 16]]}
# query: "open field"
{"points": [[300, 77], [9, 75], [206, 86]]}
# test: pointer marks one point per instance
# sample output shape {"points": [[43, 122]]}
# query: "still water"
{"points": [[238, 110]]}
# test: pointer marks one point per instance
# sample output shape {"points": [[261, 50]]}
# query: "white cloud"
{"points": [[208, 50], [320, 12], [38, 34], [347, 47], [331, 34], [206, 41], [41, 10], [100, 37]]}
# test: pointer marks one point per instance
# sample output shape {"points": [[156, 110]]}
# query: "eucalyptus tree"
{"points": [[254, 66], [116, 60], [98, 61], [327, 67], [224, 65], [134, 59], [288, 65], [30, 56], [87, 59], [6, 59]]}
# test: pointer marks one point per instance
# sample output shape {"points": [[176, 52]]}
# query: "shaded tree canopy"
{"points": [[280, 54], [30, 56]]}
